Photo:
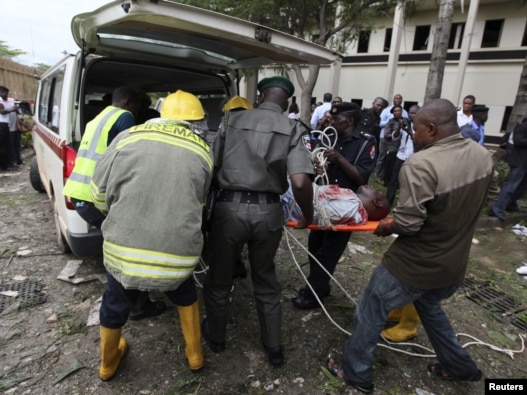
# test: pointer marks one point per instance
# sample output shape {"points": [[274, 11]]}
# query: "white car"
{"points": [[154, 47]]}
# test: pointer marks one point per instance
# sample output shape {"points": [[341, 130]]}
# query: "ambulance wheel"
{"points": [[34, 176], [62, 243]]}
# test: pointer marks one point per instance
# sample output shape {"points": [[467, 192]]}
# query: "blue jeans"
{"points": [[385, 293], [512, 190]]}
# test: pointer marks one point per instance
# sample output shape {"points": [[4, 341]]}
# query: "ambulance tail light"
{"points": [[68, 157]]}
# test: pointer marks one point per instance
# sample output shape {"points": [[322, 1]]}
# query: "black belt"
{"points": [[248, 197]]}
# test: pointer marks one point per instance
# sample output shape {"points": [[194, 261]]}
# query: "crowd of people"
{"points": [[15, 119], [240, 177]]}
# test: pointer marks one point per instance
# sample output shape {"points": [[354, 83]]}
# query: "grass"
{"points": [[71, 324]]}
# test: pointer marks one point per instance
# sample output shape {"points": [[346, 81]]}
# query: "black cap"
{"points": [[344, 107], [480, 108], [3, 89]]}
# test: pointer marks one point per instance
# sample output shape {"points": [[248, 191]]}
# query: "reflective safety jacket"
{"points": [[93, 144], [152, 182]]}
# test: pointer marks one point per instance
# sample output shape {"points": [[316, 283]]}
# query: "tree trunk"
{"points": [[519, 111], [439, 50], [307, 86]]}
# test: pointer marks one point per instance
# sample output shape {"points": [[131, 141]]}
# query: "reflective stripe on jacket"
{"points": [[93, 145], [153, 181]]}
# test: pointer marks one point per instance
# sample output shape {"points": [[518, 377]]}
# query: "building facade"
{"points": [[395, 58]]}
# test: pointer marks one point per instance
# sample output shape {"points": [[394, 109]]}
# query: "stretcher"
{"points": [[369, 226]]}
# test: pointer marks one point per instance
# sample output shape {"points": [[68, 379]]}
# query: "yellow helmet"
{"points": [[182, 105], [237, 102]]}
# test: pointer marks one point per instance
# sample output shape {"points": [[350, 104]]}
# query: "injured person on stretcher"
{"points": [[340, 206]]}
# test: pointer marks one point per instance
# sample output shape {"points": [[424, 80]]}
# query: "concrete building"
{"points": [[486, 63]]}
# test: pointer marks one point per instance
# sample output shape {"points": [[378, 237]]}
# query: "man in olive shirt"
{"points": [[253, 156], [443, 188]]}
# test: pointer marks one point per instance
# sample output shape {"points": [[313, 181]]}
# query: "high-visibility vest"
{"points": [[93, 145]]}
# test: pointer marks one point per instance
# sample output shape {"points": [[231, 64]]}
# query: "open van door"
{"points": [[164, 32]]}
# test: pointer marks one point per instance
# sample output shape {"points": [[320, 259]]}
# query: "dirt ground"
{"points": [[41, 355]]}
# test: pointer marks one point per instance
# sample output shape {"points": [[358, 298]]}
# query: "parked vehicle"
{"points": [[154, 47]]}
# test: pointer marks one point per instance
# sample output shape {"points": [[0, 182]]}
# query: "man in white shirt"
{"points": [[464, 115], [7, 106], [320, 111]]}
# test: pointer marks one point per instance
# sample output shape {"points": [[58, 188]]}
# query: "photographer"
{"points": [[406, 148], [392, 136]]}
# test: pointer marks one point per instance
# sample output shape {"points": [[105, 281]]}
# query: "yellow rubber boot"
{"points": [[190, 325], [395, 315], [406, 328], [113, 349]]}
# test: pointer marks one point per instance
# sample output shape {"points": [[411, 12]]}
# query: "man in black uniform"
{"points": [[370, 117], [253, 155], [350, 164]]}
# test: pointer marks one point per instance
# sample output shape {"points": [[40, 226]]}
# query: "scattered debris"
{"points": [[24, 251], [420, 391], [52, 319], [70, 270], [75, 365], [255, 384], [11, 382], [269, 387], [93, 316], [11, 294], [519, 230], [522, 270], [298, 380], [475, 241], [310, 315], [355, 248]]}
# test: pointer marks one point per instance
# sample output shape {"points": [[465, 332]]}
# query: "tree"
{"points": [[329, 23], [439, 50], [8, 53], [519, 110]]}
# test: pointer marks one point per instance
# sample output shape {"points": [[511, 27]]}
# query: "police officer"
{"points": [[350, 163], [253, 157]]}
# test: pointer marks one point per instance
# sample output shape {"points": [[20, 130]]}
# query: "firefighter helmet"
{"points": [[182, 105], [237, 103]]}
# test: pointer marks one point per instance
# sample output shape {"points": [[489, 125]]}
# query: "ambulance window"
{"points": [[57, 94], [49, 100]]}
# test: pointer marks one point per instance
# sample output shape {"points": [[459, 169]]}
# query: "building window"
{"points": [[363, 41], [505, 120], [524, 39], [492, 33], [357, 101], [456, 35], [421, 38], [387, 39]]}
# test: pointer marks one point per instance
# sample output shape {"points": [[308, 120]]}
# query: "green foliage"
{"points": [[312, 20], [8, 53], [41, 66], [26, 140]]}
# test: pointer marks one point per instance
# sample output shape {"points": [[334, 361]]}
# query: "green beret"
{"points": [[344, 107], [277, 82]]}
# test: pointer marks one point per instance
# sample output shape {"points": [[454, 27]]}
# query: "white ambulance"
{"points": [[155, 47]]}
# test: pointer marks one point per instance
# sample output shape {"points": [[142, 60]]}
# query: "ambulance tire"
{"points": [[34, 176]]}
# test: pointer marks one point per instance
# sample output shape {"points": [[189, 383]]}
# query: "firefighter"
{"points": [[152, 183]]}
